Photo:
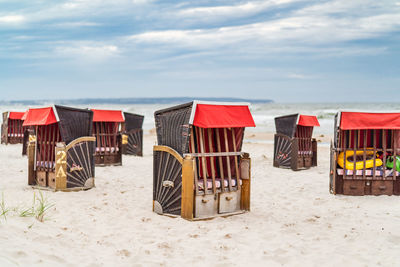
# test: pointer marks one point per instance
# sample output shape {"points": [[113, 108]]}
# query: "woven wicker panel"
{"points": [[133, 121], [80, 164], [74, 123], [173, 127], [166, 168], [282, 151], [286, 125], [4, 128], [135, 142]]}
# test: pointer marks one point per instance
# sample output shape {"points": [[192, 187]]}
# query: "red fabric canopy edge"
{"points": [[40, 116], [16, 115], [222, 116], [365, 121], [25, 114], [305, 120], [101, 115]]}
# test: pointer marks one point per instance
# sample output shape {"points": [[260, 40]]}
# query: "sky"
{"points": [[285, 50]]}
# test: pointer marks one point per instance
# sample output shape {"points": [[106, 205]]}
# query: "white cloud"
{"points": [[357, 8], [298, 76], [12, 19], [70, 5], [218, 12], [24, 37], [316, 28], [84, 9], [140, 2], [95, 4], [77, 24], [298, 30], [84, 4], [89, 51]]}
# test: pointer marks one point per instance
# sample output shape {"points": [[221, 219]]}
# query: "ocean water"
{"points": [[263, 114]]}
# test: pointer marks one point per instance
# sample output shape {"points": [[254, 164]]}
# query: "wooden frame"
{"points": [[60, 154], [72, 169], [108, 144], [179, 185], [29, 135], [199, 170], [287, 153], [378, 180], [294, 146]]}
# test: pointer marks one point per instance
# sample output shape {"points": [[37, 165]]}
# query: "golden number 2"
{"points": [[61, 157]]}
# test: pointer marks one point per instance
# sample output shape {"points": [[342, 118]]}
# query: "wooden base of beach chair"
{"points": [[73, 189], [108, 160], [12, 130], [41, 178], [287, 155], [353, 145], [367, 187], [174, 191], [15, 140], [71, 170]]}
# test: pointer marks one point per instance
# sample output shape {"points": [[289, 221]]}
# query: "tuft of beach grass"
{"points": [[3, 209], [42, 206], [38, 209]]}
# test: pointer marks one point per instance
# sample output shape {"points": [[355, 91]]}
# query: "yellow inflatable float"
{"points": [[369, 162]]}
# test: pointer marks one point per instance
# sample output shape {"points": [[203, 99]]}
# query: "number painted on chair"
{"points": [[62, 157]]}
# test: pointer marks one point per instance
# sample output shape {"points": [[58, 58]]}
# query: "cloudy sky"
{"points": [[286, 50]]}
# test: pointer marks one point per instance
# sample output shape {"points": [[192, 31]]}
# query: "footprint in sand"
{"points": [[228, 236], [193, 235], [19, 254], [123, 252], [144, 219], [164, 245]]}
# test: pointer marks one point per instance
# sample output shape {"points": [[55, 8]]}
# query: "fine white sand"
{"points": [[294, 221]]}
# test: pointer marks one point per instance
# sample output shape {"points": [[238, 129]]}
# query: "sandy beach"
{"points": [[99, 78], [294, 221]]}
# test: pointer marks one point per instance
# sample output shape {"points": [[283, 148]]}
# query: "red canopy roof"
{"points": [[107, 115], [222, 116], [25, 114], [15, 115], [40, 116], [363, 121], [305, 120]]}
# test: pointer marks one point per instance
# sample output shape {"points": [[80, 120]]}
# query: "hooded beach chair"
{"points": [[107, 130], [364, 154], [132, 134], [12, 131], [199, 169], [60, 157], [294, 146]]}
